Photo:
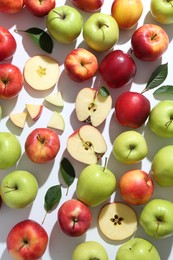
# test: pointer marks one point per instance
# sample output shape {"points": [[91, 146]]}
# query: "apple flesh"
{"points": [[56, 121], [55, 99], [40, 8], [18, 119], [11, 6], [8, 44], [161, 11], [34, 111], [88, 6]]}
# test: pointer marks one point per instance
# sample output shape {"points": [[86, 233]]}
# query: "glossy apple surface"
{"points": [[161, 11], [11, 7], [88, 6], [7, 43], [40, 8]]}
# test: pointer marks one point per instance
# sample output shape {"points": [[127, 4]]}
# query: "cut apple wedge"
{"points": [[117, 221], [92, 107], [18, 119], [86, 144], [55, 99], [56, 121], [41, 72], [34, 111]]}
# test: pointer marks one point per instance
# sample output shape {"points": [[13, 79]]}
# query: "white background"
{"points": [[60, 245]]}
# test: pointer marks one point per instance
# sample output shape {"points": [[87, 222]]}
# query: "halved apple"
{"points": [[34, 111], [86, 144], [41, 72], [56, 121], [117, 221], [18, 119], [92, 107], [55, 99]]}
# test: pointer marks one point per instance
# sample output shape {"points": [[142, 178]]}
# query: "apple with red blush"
{"points": [[40, 8], [89, 5], [11, 6], [7, 43]]}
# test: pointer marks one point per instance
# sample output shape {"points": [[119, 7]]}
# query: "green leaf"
{"points": [[52, 197], [104, 92], [167, 89], [67, 171], [157, 77]]}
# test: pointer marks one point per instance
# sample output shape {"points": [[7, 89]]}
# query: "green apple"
{"points": [[19, 189], [160, 119], [95, 185], [156, 218], [130, 147], [101, 32], [89, 250], [138, 249], [10, 150], [64, 23], [162, 11]]}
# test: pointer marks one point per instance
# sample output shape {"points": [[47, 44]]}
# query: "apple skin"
{"points": [[156, 218], [138, 249], [136, 187], [42, 145], [27, 240], [95, 185], [80, 64], [89, 5], [74, 218], [132, 109], [117, 69], [127, 13], [161, 11], [8, 44], [64, 23], [40, 8], [11, 80], [10, 150], [11, 6], [149, 42]]}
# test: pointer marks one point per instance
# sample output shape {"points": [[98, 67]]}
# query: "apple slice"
{"points": [[117, 221], [18, 119], [92, 107], [56, 121], [55, 99], [34, 111], [86, 144], [41, 72]]}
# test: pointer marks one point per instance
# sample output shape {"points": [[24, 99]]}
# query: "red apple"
{"points": [[89, 5], [11, 6], [117, 69], [11, 81], [81, 64], [149, 42], [132, 109], [136, 187], [74, 217], [7, 43], [42, 145], [27, 240], [40, 8]]}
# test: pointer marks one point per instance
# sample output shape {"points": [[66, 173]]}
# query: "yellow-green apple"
{"points": [[95, 185], [11, 80], [101, 32], [89, 5], [34, 110], [136, 187], [81, 64], [86, 144], [156, 218], [138, 249], [74, 218], [160, 119], [149, 42], [8, 44], [64, 23], [27, 240], [130, 147], [89, 250], [19, 118], [19, 189], [117, 221], [161, 11], [42, 145], [91, 106], [162, 166], [10, 150], [11, 6], [117, 69], [40, 8], [126, 13], [132, 109]]}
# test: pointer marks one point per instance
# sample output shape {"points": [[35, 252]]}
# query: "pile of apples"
{"points": [[99, 56]]}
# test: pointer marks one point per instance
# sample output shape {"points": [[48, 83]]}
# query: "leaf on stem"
{"points": [[52, 197], [103, 91], [67, 171]]}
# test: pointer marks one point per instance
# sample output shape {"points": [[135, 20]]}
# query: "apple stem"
{"points": [[74, 221], [62, 16], [105, 164], [25, 242], [40, 139], [11, 188], [152, 37], [168, 123]]}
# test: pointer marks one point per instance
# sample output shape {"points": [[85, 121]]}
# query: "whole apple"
{"points": [[40, 8], [161, 11], [42, 145], [149, 42], [74, 218], [101, 32], [11, 6], [27, 240], [117, 69], [19, 189], [10, 150], [64, 23], [11, 80], [132, 109], [8, 44], [89, 5]]}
